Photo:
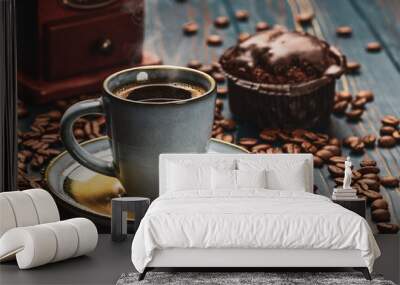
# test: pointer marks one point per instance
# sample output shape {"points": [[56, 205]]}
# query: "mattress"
{"points": [[251, 219]]}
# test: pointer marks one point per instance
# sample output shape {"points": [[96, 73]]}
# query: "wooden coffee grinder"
{"points": [[68, 47]]}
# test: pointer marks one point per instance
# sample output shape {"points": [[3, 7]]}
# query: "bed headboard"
{"points": [[164, 159]]}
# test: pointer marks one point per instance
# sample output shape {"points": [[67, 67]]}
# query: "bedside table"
{"points": [[356, 205], [119, 217]]}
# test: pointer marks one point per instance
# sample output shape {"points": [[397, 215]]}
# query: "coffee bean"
{"points": [[242, 15], [216, 130], [262, 26], [371, 176], [390, 120], [194, 63], [372, 184], [50, 138], [79, 133], [352, 66], [362, 186], [369, 169], [344, 96], [228, 124], [337, 159], [318, 162], [222, 91], [389, 181], [324, 154], [284, 136], [340, 107], [380, 215], [308, 147], [344, 31], [243, 36], [269, 135], [219, 77], [369, 140], [335, 171], [372, 195], [367, 162], [379, 204], [221, 22], [227, 138], [336, 151], [95, 129], [354, 115], [291, 148], [387, 228], [260, 147], [366, 94], [387, 130], [304, 18], [357, 146], [310, 136], [214, 40], [386, 141], [373, 47], [190, 28], [358, 103], [248, 142]]}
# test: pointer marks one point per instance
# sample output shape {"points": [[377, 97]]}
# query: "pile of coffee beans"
{"points": [[343, 100], [367, 182], [389, 132], [38, 145]]}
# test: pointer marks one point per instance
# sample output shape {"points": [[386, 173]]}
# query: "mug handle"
{"points": [[93, 106]]}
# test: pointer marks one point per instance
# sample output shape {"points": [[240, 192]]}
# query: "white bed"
{"points": [[249, 227]]}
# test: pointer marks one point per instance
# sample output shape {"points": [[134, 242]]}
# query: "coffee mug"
{"points": [[139, 131]]}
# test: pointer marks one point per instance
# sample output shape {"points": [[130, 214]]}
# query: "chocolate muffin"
{"points": [[283, 79]]}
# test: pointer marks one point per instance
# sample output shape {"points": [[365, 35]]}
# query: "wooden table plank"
{"points": [[379, 74], [383, 19]]}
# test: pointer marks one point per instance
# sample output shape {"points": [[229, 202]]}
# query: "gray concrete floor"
{"points": [[103, 266]]}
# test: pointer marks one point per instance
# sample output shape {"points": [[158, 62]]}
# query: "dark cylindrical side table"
{"points": [[119, 217]]}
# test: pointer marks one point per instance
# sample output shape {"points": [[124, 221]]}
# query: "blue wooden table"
{"points": [[371, 20]]}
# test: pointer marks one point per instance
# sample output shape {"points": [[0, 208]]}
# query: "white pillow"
{"points": [[223, 179], [281, 174], [193, 174], [251, 178], [181, 178]]}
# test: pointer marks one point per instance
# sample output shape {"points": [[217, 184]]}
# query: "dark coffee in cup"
{"points": [[160, 92]]}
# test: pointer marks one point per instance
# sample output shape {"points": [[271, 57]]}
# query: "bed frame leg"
{"points": [[364, 271], [143, 274]]}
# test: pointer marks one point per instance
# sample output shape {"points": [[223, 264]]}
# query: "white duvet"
{"points": [[250, 219]]}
